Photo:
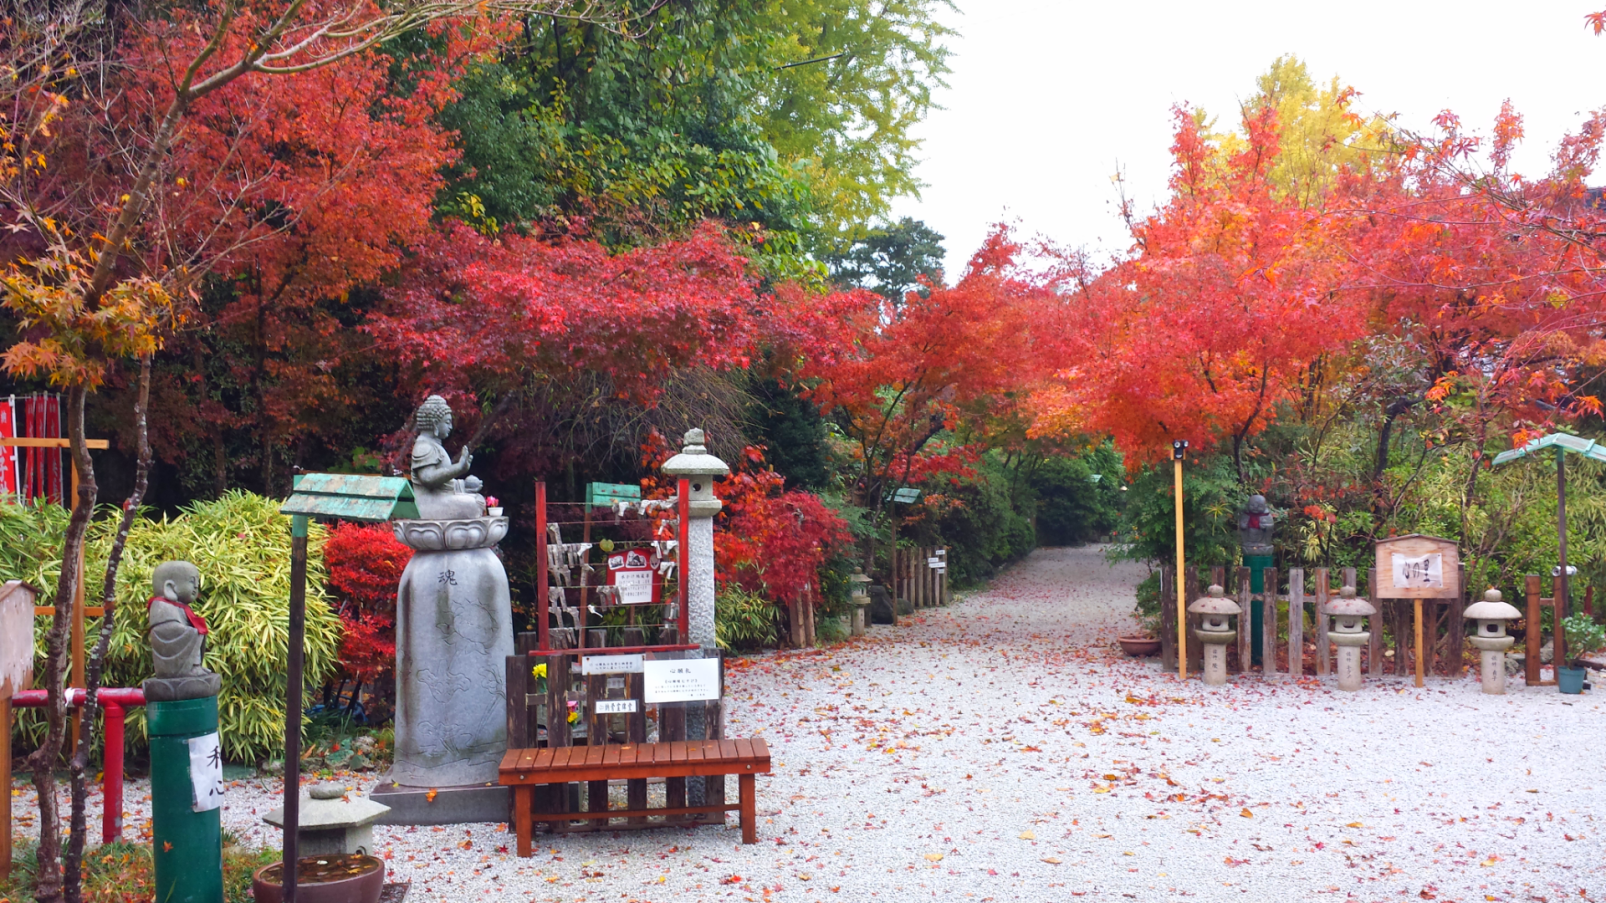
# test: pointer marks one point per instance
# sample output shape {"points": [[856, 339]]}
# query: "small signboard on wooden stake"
{"points": [[1418, 567]]}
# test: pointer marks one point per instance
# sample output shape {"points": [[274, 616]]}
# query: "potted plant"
{"points": [[1583, 636]]}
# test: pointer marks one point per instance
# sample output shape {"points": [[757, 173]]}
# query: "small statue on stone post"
{"points": [[1254, 528], [177, 635], [1254, 534]]}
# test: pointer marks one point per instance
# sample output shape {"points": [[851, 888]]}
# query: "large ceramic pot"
{"points": [[356, 878], [1138, 646]]}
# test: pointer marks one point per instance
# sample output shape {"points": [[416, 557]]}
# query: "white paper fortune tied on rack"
{"points": [[1418, 570], [682, 680], [206, 772]]}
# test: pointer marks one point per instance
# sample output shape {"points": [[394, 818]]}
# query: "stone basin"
{"points": [[323, 879]]}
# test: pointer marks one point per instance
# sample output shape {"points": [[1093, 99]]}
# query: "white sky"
{"points": [[1046, 98]]}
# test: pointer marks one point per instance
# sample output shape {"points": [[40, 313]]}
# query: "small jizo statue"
{"points": [[1254, 526], [443, 487], [177, 635]]}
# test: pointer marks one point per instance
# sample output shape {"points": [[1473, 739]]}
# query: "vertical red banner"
{"points": [[8, 456], [31, 459], [57, 491]]}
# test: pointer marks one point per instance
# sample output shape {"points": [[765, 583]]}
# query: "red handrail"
{"points": [[114, 700]]}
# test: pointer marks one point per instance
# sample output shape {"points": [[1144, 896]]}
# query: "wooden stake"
{"points": [[1417, 605], [1182, 602], [5, 786]]}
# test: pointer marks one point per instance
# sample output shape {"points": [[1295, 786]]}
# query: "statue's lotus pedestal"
{"points": [[454, 632]]}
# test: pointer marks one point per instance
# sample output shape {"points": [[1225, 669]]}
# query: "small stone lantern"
{"points": [[331, 824], [1215, 633], [1348, 633], [1491, 640], [860, 599]]}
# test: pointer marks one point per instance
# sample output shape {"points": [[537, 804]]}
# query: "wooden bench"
{"points": [[525, 769]]}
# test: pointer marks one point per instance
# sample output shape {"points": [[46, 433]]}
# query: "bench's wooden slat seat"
{"points": [[525, 769]]}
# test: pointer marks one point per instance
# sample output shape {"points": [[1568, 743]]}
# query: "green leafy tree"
{"points": [[890, 260]]}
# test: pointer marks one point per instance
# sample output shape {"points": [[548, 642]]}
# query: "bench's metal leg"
{"points": [[749, 808], [523, 795]]}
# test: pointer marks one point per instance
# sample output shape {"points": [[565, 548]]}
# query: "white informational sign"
{"points": [[933, 561], [1418, 570], [611, 664], [634, 585], [682, 680], [941, 567], [616, 706], [206, 772]]}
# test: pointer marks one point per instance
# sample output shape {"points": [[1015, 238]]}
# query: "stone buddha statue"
{"points": [[1254, 528], [443, 488], [177, 636]]}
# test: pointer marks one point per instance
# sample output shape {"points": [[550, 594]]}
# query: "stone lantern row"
{"points": [[1349, 635]]}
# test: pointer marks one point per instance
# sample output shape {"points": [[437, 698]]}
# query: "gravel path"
{"points": [[1003, 749]]}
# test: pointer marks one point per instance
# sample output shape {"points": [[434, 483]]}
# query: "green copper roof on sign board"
{"points": [[601, 495], [1589, 448], [358, 497]]}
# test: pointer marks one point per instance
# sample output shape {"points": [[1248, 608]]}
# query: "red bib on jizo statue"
{"points": [[196, 621]]}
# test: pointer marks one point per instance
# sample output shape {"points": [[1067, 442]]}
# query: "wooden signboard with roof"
{"points": [[16, 674], [1418, 567]]}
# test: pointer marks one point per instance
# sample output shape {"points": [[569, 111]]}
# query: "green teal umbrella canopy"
{"points": [[1565, 442]]}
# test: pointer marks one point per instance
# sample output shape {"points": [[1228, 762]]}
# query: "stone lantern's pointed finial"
{"points": [[693, 442], [1491, 595]]}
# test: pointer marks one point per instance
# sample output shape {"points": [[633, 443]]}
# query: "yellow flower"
{"points": [[539, 671], [574, 717]]}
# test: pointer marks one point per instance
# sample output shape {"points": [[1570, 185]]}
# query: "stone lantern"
{"points": [[1491, 640], [1348, 633], [330, 824], [1215, 633], [860, 599], [700, 470]]}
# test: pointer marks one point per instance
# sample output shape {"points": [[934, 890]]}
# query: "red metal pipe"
{"points": [[542, 593], [111, 790], [114, 701]]}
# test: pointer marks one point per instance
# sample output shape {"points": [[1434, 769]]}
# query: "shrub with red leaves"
{"points": [[365, 564]]}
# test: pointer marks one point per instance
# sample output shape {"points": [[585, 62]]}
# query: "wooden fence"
{"points": [[917, 579], [541, 719], [1285, 646]]}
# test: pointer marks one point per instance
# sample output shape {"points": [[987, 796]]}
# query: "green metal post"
{"points": [[188, 844], [292, 702], [1257, 565]]}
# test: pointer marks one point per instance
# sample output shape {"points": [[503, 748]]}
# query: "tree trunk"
{"points": [[43, 759], [94, 667]]}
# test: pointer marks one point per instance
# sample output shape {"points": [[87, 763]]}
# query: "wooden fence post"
{"points": [[1268, 602], [1374, 643], [1190, 592], [1245, 619], [1168, 620], [1296, 623], [1319, 622]]}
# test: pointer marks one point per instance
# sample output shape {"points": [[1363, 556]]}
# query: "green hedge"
{"points": [[241, 544]]}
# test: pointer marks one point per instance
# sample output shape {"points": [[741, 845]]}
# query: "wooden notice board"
{"points": [[16, 673], [1418, 567]]}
